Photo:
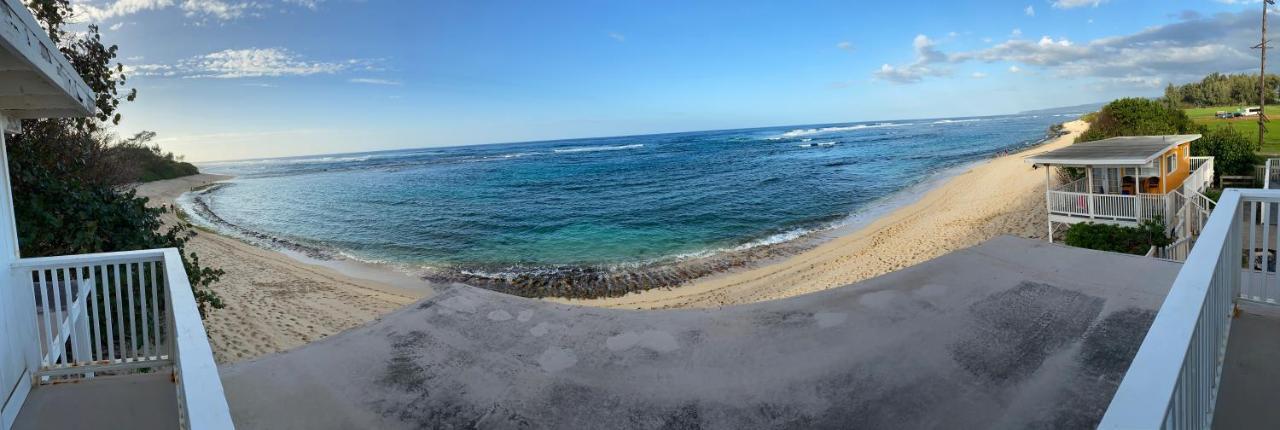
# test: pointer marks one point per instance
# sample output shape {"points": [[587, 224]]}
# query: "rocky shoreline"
{"points": [[575, 282]]}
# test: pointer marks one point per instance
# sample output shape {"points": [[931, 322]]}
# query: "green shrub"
{"points": [[1137, 117], [1213, 194], [1232, 152], [1114, 238]]}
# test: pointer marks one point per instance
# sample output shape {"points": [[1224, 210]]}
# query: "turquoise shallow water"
{"points": [[604, 203]]}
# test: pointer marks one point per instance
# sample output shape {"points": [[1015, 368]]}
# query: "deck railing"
{"points": [[1202, 172], [1110, 207], [1271, 174], [1074, 199], [1173, 380], [121, 312]]}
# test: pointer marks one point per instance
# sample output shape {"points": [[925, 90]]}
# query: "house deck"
{"points": [[1008, 334], [1251, 372], [139, 402]]}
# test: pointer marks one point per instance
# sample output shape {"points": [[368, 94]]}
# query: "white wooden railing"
{"points": [[1271, 173], [1173, 380], [1202, 172], [1112, 207], [120, 312], [1073, 199]]}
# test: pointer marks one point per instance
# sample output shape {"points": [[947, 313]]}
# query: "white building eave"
{"points": [[36, 80]]}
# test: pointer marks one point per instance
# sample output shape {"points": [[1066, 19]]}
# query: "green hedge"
{"points": [[1114, 238]]}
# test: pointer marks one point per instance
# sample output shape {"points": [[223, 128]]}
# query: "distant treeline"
{"points": [[1218, 89], [137, 161]]}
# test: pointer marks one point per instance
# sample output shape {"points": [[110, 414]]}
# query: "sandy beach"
{"points": [[1001, 196], [275, 302]]}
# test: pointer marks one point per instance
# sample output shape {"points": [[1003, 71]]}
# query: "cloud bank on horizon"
{"points": [[1175, 52]]}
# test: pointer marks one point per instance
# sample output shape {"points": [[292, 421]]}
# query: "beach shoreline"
{"points": [[276, 301], [901, 230], [1003, 195]]}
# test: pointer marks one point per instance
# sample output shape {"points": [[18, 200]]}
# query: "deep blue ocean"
{"points": [[598, 204]]}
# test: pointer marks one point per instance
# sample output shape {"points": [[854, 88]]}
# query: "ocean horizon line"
{"points": [[639, 135]]}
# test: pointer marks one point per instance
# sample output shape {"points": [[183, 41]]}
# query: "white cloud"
{"points": [[979, 75], [1017, 32], [1177, 52], [1068, 4], [374, 81], [309, 4], [215, 8], [97, 13], [1030, 10], [255, 62], [927, 55], [618, 36], [251, 63], [845, 46], [223, 10]]}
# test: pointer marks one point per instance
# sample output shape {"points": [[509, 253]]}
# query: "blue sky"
{"points": [[231, 79]]}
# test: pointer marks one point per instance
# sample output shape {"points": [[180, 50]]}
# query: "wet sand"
{"points": [[275, 302]]}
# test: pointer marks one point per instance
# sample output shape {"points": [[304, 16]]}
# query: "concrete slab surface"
{"points": [[1251, 372], [141, 402], [1012, 333]]}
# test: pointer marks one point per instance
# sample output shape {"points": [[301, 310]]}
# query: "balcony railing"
{"points": [[122, 312], [1174, 379], [1075, 200]]}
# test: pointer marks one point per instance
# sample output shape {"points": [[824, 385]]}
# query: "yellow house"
{"points": [[1122, 180]]}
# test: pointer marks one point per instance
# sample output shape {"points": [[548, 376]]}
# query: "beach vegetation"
{"points": [[1107, 237], [69, 194], [1213, 194], [1137, 117], [139, 161], [1233, 153], [1217, 89]]}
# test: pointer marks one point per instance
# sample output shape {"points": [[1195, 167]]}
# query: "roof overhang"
{"points": [[36, 80], [1123, 151]]}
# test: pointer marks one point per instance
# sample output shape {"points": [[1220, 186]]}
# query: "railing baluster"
{"points": [[155, 312], [95, 331], [38, 281], [71, 337], [143, 301], [55, 348], [108, 306], [129, 312]]}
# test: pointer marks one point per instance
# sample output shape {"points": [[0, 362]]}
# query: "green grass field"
{"points": [[1246, 125]]}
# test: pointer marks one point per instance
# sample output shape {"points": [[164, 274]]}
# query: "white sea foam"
{"points": [[599, 148], [514, 155], [817, 144], [953, 121], [812, 131]]}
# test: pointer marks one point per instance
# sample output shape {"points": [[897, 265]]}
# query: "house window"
{"points": [[1170, 163]]}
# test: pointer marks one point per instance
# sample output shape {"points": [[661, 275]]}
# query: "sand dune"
{"points": [[1002, 196]]}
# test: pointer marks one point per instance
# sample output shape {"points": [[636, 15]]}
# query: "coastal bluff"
{"points": [[1012, 333]]}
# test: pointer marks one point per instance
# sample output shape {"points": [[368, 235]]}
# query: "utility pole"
{"points": [[1262, 77]]}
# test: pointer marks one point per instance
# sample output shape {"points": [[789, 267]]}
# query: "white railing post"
{"points": [[201, 401], [1173, 380], [112, 319]]}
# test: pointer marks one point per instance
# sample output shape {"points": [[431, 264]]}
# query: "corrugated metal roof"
{"points": [[1132, 150]]}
